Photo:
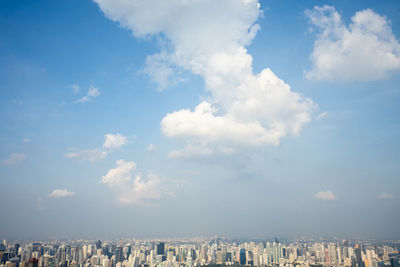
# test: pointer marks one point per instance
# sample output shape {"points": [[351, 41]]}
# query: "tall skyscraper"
{"points": [[160, 248], [242, 256], [118, 255], [98, 244]]}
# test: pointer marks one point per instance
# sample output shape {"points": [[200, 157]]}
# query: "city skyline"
{"points": [[199, 252], [172, 118]]}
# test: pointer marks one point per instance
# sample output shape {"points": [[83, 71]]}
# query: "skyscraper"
{"points": [[98, 244], [394, 262], [119, 255], [160, 248], [242, 256]]}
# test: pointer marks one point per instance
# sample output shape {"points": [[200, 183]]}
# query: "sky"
{"points": [[168, 118]]}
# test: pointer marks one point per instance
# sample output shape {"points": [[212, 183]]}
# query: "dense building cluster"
{"points": [[198, 252]]}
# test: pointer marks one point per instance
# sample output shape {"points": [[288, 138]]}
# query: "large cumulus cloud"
{"points": [[209, 39]]}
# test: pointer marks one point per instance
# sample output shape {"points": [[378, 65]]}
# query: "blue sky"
{"points": [[172, 118]]}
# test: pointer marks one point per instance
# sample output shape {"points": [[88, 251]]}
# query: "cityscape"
{"points": [[190, 252], [174, 133]]}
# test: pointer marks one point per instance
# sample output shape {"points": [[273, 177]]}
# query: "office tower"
{"points": [[394, 262], [242, 256], [219, 257], [203, 254], [385, 253], [84, 252], [229, 256], [129, 250], [357, 251], [339, 254], [16, 248], [256, 259], [332, 252], [33, 262], [98, 244], [118, 255], [160, 248], [277, 251]]}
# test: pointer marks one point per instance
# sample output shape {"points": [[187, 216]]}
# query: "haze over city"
{"points": [[172, 118]]}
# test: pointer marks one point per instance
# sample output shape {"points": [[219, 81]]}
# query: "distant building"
{"points": [[98, 244], [160, 248], [33, 262], [118, 255], [242, 256], [394, 262]]}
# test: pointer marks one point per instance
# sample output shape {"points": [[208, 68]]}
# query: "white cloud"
{"points": [[137, 190], [121, 174], [111, 142], [322, 115], [143, 189], [160, 70], [208, 38], [114, 141], [201, 151], [365, 50], [151, 147], [92, 93], [75, 88], [90, 155], [83, 99], [325, 195], [26, 140], [385, 196], [191, 151], [61, 193], [15, 159]]}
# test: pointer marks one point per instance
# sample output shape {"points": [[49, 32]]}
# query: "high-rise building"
{"points": [[357, 251], [118, 255], [332, 252], [98, 244], [33, 262], [242, 256], [160, 248], [394, 262], [203, 254]]}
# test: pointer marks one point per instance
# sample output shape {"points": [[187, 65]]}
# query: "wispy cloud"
{"points": [[17, 102], [191, 151], [322, 115], [26, 140], [61, 193], [15, 159], [112, 141], [90, 155], [75, 88], [325, 195], [92, 93], [151, 147], [386, 196]]}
